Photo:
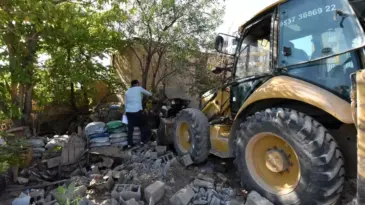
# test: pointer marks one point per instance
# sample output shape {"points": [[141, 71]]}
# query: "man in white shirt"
{"points": [[134, 111]]}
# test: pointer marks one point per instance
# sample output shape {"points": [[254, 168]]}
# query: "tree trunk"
{"points": [[85, 98], [72, 96], [27, 105], [144, 80], [153, 89]]}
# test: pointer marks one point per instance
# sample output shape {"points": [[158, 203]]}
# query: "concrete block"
{"points": [[182, 197], [154, 155], [200, 202], [154, 192], [132, 202], [126, 192], [161, 150], [186, 160], [22, 180], [205, 184], [167, 157], [116, 174], [53, 162], [222, 177], [255, 198], [115, 202], [215, 201], [205, 178], [236, 202]]}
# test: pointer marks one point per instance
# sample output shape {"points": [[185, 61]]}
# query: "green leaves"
{"points": [[72, 34]]}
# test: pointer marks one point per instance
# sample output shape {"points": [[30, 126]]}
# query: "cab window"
{"points": [[254, 55], [331, 73], [311, 30]]}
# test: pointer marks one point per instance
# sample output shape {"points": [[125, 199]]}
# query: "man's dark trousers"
{"points": [[137, 119]]}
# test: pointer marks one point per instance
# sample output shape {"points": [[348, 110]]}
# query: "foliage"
{"points": [[166, 35], [51, 51], [71, 35], [64, 196], [13, 152]]}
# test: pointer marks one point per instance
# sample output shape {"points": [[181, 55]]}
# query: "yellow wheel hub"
{"points": [[273, 163], [276, 161], [184, 138]]}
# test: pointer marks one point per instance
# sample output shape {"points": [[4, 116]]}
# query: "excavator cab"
{"points": [[285, 116]]}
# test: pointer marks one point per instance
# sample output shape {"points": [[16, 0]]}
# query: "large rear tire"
{"points": [[191, 134], [289, 158]]}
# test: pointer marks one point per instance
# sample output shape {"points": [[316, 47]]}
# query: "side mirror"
{"points": [[219, 41], [226, 44]]}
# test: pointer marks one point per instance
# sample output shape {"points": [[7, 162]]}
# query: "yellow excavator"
{"points": [[285, 115]]}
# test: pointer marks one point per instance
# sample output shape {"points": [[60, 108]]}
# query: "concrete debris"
{"points": [[132, 202], [236, 202], [205, 178], [154, 155], [161, 150], [114, 202], [95, 170], [186, 160], [154, 192], [107, 162], [126, 191], [255, 198], [167, 157], [100, 182], [222, 177], [111, 176], [182, 197], [205, 184], [22, 180], [54, 162]]}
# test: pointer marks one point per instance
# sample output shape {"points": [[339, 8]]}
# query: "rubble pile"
{"points": [[54, 158], [141, 175], [90, 173], [207, 190], [47, 146]]}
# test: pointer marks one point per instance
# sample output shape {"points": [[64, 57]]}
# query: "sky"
{"points": [[240, 11]]}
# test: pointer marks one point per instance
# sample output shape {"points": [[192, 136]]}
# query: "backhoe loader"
{"points": [[285, 116]]}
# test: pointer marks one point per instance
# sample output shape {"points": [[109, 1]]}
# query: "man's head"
{"points": [[134, 83]]}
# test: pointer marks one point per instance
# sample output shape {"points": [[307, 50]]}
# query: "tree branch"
{"points": [[139, 58], [165, 76]]}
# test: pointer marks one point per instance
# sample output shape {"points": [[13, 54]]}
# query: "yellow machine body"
{"points": [[280, 87]]}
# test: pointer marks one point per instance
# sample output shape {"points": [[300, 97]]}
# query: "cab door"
{"points": [[253, 61]]}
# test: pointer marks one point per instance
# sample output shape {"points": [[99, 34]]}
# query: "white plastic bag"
{"points": [[125, 119]]}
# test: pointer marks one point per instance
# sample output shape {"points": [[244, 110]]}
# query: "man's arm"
{"points": [[125, 103], [145, 92]]}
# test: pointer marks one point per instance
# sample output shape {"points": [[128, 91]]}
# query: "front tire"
{"points": [[289, 158], [191, 134]]}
